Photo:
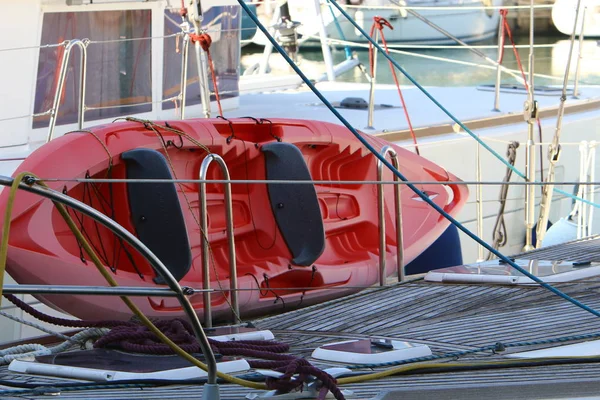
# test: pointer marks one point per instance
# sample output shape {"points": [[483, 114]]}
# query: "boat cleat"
{"points": [[310, 388]]}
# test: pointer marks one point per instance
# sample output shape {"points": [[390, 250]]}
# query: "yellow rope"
{"points": [[88, 249], [178, 350], [6, 228], [426, 366]]}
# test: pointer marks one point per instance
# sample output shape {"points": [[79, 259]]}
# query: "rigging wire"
{"points": [[394, 170], [426, 93]]}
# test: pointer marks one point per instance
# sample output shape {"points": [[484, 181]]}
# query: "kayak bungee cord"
{"points": [[394, 170]]}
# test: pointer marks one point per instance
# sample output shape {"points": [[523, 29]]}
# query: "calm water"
{"points": [[549, 60]]}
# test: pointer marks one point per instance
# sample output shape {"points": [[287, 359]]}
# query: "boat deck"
{"points": [[471, 105], [448, 318]]}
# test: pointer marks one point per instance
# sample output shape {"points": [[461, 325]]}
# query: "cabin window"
{"points": [[119, 73], [223, 25]]}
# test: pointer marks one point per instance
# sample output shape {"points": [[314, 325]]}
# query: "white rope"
{"points": [[32, 350], [13, 118], [134, 39], [456, 47], [80, 338], [45, 46], [450, 8], [513, 72], [504, 141], [34, 325], [24, 351], [445, 8]]}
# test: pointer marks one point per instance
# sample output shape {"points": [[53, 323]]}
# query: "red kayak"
{"points": [[288, 238]]}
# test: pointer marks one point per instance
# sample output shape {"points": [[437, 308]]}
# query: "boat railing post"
{"points": [[195, 14], [263, 65], [579, 55], [583, 208], [184, 71], [136, 244], [499, 65], [82, 79], [590, 191], [324, 45], [82, 44], [372, 82], [381, 212], [530, 115], [479, 201], [231, 240]]}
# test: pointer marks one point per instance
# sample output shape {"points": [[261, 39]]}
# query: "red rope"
{"points": [[514, 46], [205, 41], [379, 23], [506, 28], [183, 10]]}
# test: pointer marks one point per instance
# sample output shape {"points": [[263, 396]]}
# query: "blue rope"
{"points": [[575, 197], [441, 107], [340, 32], [399, 174]]}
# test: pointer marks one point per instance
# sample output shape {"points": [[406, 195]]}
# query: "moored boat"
{"points": [[564, 12], [467, 20]]}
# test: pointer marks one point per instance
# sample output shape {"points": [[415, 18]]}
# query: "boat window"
{"points": [[223, 25], [118, 80]]}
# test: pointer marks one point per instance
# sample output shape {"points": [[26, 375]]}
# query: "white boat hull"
{"points": [[563, 17], [466, 24]]}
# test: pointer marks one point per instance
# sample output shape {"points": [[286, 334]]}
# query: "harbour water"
{"points": [[428, 67]]}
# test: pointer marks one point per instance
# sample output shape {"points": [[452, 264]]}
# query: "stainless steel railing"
{"points": [[205, 246], [388, 150], [82, 44]]}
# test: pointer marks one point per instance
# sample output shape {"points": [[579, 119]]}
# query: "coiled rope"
{"points": [[180, 330]]}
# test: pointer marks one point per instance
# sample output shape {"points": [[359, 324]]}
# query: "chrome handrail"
{"points": [[230, 236], [154, 261], [381, 212], [82, 44]]}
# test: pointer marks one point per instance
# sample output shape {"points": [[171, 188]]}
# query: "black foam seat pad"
{"points": [[156, 212], [295, 207]]}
